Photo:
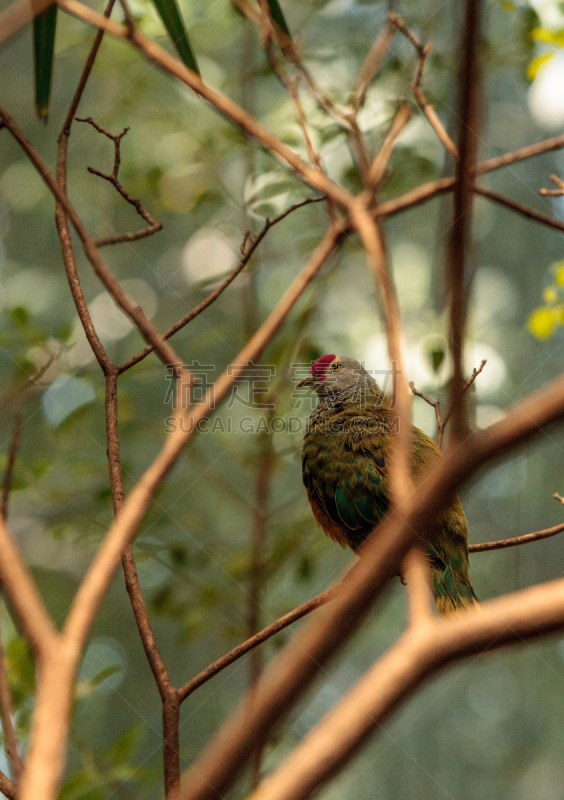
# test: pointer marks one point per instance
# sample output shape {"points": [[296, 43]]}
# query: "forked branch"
{"points": [[153, 226]]}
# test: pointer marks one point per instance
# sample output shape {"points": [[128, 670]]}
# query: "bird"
{"points": [[346, 452]]}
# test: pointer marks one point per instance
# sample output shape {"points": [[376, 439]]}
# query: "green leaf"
{"points": [[172, 20], [44, 26], [278, 17]]}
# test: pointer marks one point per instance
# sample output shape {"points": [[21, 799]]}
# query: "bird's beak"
{"points": [[309, 381]]}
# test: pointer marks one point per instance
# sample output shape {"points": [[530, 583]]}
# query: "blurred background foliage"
{"points": [[492, 726]]}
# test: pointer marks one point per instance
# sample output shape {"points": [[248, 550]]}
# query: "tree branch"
{"points": [[248, 247], [442, 423], [292, 671], [526, 211], [9, 471], [462, 214], [516, 540], [221, 102], [417, 655], [554, 192], [134, 312], [256, 640], [153, 225]]}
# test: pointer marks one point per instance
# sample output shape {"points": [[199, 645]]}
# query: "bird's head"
{"points": [[340, 375]]}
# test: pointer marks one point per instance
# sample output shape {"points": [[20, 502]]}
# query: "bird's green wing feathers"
{"points": [[350, 488]]}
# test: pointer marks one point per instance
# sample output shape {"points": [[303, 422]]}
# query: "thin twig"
{"points": [[526, 211], [370, 66], [6, 707], [554, 192], [133, 311], [465, 387], [250, 244], [153, 226], [11, 460], [442, 423], [260, 637], [516, 540], [378, 167], [554, 143], [423, 51]]}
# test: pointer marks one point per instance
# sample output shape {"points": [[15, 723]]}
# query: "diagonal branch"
{"points": [[423, 51], [501, 544], [526, 211], [419, 654], [91, 591], [250, 244], [256, 640], [290, 673], [221, 102]]}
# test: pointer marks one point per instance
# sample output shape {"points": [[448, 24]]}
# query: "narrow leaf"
{"points": [[44, 26], [172, 20], [278, 17]]}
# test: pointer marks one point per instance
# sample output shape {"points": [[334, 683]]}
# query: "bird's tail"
{"points": [[450, 583]]}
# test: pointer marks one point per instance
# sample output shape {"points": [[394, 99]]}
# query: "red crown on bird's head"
{"points": [[319, 367]]}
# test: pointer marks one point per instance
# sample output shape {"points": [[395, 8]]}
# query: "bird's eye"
{"points": [[336, 367]]}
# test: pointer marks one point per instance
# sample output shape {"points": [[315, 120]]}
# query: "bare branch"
{"points": [[466, 386], [516, 540], [6, 786], [554, 192], [9, 471], [370, 66], [372, 239], [134, 312], [85, 74], [221, 102], [462, 215], [260, 637], [91, 591], [378, 166], [425, 106], [6, 714], [248, 247], [289, 675], [416, 571], [442, 423], [546, 146], [22, 591], [417, 655], [153, 225], [526, 211]]}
